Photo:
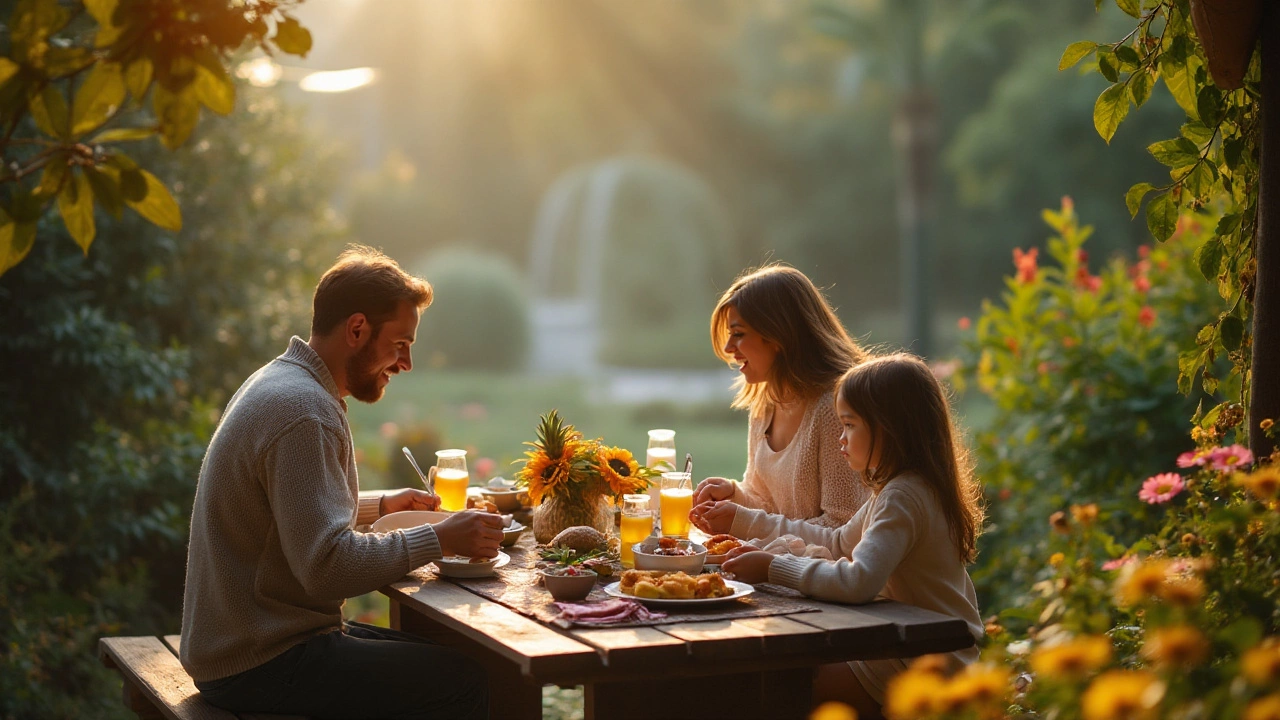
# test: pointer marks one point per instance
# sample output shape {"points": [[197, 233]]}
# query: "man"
{"points": [[274, 551]]}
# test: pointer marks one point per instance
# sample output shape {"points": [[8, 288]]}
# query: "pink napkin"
{"points": [[614, 610]]}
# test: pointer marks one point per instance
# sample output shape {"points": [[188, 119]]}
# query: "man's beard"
{"points": [[362, 376]]}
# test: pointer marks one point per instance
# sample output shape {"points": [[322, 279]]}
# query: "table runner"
{"points": [[516, 586]]}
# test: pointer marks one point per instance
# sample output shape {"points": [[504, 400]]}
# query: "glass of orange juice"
{"points": [[452, 479], [676, 502], [637, 524]]}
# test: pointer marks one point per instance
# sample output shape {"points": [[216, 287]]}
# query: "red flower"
{"points": [[1085, 281], [1012, 344], [1082, 256], [964, 323], [1141, 283], [1068, 204], [1144, 251], [1026, 264], [1069, 342], [1147, 316]]}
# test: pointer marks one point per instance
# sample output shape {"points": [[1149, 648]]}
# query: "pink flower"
{"points": [[1141, 283], [1161, 488], [389, 430], [1230, 458], [484, 467], [1026, 264], [1144, 251], [964, 323], [1193, 458], [1119, 562]]}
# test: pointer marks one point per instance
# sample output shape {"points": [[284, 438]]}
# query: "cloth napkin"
{"points": [[614, 610], [790, 544]]}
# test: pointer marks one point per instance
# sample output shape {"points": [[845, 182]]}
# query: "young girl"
{"points": [[910, 542], [790, 348]]}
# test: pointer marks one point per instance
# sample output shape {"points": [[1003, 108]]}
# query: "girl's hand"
{"points": [[408, 499], [751, 566], [712, 489], [713, 518]]}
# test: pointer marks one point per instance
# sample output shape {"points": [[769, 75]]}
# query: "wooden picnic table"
{"points": [[753, 667]]}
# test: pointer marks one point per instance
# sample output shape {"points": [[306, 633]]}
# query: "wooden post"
{"points": [[1265, 387]]}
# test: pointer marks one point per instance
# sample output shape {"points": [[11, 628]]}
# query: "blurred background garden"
{"points": [[579, 180]]}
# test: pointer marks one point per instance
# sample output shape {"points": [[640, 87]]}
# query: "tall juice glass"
{"points": [[452, 479], [637, 524], [661, 456], [677, 501]]}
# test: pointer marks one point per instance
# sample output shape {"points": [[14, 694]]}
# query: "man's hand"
{"points": [[470, 533], [714, 488], [408, 499], [714, 518], [751, 566]]}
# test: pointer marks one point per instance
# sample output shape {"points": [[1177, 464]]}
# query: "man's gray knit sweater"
{"points": [[273, 549]]}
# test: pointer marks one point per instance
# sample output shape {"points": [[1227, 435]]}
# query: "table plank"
{"points": [[535, 648], [919, 625], [153, 668], [633, 648], [851, 627], [747, 637]]}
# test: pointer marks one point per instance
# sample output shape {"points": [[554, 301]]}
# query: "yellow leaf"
{"points": [[51, 179], [213, 86], [103, 11], [292, 38], [123, 135], [16, 240], [137, 77], [75, 202], [157, 205], [98, 98], [8, 69], [178, 115], [49, 111]]}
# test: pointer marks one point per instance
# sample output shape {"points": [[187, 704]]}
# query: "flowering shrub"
{"points": [[1082, 369]]}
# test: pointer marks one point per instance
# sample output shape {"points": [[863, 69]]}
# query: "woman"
{"points": [[790, 349]]}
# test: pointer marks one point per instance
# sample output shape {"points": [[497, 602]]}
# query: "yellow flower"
{"points": [[1085, 514], [1267, 424], [1073, 658], [1184, 591], [981, 683], [1056, 559], [911, 695], [1264, 708], [1261, 664], [1058, 521], [1122, 695], [833, 711], [620, 470], [1141, 582], [544, 475], [1180, 646], [938, 664], [1263, 484]]}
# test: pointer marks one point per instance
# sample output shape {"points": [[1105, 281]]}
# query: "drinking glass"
{"points": [[637, 524], [452, 479], [661, 456], [677, 501]]}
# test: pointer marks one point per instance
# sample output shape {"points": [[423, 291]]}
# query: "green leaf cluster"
{"points": [[71, 73], [1213, 162]]}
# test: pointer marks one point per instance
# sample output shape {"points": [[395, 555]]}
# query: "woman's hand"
{"points": [[713, 518], [714, 488], [750, 566]]}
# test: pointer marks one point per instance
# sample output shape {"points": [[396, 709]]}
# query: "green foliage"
{"points": [[479, 318], [70, 70], [1214, 160], [1082, 371], [107, 413]]}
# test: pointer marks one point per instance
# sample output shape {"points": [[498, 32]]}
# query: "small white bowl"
{"points": [[512, 533], [646, 560], [507, 499]]}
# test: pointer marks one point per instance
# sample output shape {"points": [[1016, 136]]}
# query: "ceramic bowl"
{"points": [[507, 499], [512, 533], [569, 588], [646, 560]]}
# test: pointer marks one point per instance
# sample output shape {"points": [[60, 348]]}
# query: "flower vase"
{"points": [[557, 513]]}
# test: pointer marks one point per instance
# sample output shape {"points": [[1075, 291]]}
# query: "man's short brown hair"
{"points": [[364, 280]]}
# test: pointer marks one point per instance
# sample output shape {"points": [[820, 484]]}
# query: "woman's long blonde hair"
{"points": [[782, 304], [906, 410]]}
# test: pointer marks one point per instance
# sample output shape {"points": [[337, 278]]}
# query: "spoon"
{"points": [[688, 464], [428, 482]]}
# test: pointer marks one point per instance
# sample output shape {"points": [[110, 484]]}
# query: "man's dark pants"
{"points": [[361, 672]]}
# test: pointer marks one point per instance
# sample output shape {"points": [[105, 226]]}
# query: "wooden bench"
{"points": [[156, 686]]}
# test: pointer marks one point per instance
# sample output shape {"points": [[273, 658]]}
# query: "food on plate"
{"points": [[579, 537], [721, 544], [482, 505], [673, 548], [659, 584], [463, 559]]}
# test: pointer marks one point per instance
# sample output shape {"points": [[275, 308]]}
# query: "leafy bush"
{"points": [[120, 363], [479, 318], [1082, 370]]}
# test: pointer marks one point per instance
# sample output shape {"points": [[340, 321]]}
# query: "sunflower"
{"points": [[550, 465], [620, 470], [1072, 658], [1179, 646], [1122, 695]]}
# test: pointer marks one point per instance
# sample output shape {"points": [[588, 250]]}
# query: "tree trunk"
{"points": [[1265, 387]]}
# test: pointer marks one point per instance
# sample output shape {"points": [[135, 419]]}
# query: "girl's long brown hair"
{"points": [[782, 304], [906, 410]]}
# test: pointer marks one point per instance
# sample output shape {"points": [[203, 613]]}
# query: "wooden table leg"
{"points": [[511, 694], [780, 694]]}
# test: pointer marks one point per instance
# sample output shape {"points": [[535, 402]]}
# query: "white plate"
{"points": [[469, 569], [413, 518], [740, 589]]}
